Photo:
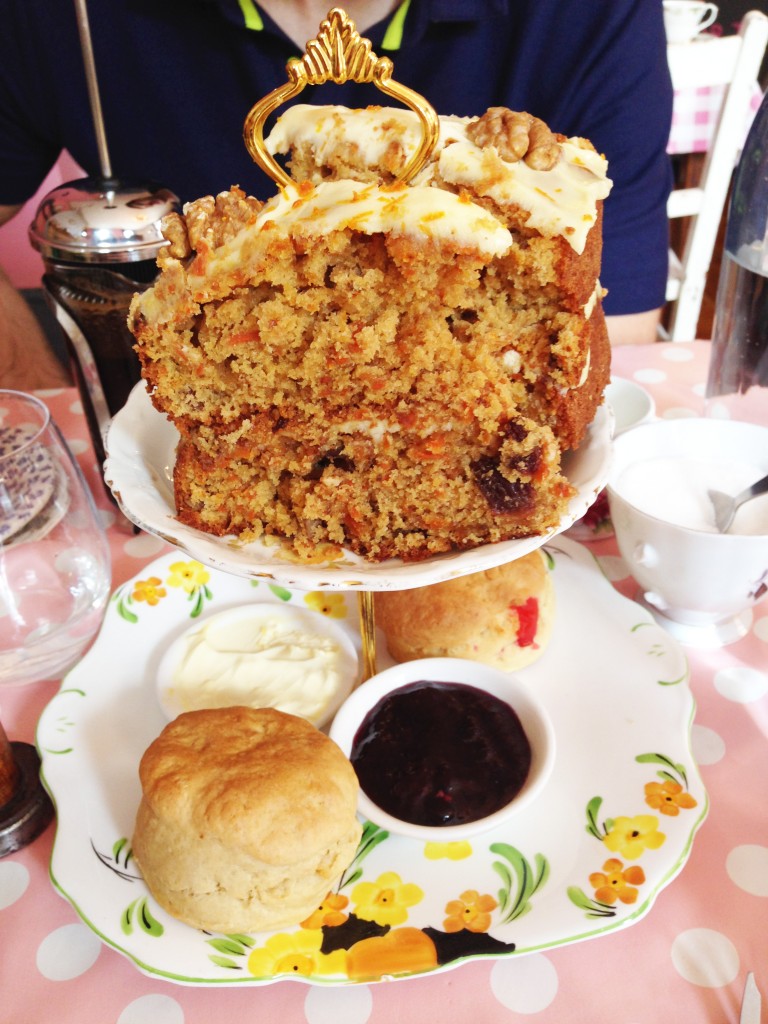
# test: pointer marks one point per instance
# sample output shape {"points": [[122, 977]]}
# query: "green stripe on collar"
{"points": [[251, 15], [393, 37]]}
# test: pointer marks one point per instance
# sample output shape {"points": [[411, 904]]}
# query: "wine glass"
{"points": [[54, 555]]}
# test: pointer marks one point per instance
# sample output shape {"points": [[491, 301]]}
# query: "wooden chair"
{"points": [[733, 63]]}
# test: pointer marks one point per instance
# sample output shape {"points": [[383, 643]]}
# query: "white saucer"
{"points": [[706, 634]]}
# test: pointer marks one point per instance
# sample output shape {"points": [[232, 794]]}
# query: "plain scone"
{"points": [[247, 818], [502, 616]]}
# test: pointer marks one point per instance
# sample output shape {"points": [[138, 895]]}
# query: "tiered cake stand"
{"points": [[141, 443], [94, 811]]}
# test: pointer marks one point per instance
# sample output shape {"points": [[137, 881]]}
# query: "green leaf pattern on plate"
{"points": [[230, 946], [137, 914], [120, 860], [370, 839], [520, 883], [64, 724]]}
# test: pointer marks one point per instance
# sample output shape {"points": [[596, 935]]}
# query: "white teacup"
{"points": [[699, 584], [685, 19]]}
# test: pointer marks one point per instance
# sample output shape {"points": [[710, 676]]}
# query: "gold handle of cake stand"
{"points": [[338, 54], [367, 633]]}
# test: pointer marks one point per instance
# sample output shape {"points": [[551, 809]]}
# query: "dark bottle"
{"points": [[739, 359]]}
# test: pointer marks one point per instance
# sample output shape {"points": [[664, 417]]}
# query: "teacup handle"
{"points": [[656, 600], [338, 54], [710, 13]]}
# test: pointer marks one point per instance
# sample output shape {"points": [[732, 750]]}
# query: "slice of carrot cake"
{"points": [[392, 369]]}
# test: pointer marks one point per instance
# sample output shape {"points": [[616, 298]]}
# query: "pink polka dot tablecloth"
{"points": [[685, 960]]}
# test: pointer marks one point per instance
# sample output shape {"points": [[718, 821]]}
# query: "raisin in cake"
{"points": [[392, 369]]}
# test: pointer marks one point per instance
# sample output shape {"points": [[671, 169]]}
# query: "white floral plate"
{"points": [[614, 825], [141, 452]]}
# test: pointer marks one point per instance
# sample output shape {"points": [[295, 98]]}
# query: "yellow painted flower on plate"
{"points": [[668, 797], [332, 605], [187, 575], [630, 837], [615, 882], [297, 953], [385, 901]]}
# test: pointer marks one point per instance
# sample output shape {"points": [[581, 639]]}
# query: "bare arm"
{"points": [[634, 328], [26, 360]]}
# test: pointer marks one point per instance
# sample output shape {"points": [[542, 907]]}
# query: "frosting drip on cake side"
{"points": [[561, 201]]}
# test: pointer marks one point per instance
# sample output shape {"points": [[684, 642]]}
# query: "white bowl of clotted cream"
{"points": [[260, 655]]}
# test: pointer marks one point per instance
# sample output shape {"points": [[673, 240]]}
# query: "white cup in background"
{"points": [[699, 584], [685, 19]]}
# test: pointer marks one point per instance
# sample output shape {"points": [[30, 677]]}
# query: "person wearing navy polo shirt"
{"points": [[178, 77]]}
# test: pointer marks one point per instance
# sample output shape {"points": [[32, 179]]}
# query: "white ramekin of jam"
{"points": [[445, 748]]}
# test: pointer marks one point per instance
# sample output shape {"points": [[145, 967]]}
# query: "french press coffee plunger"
{"points": [[99, 238]]}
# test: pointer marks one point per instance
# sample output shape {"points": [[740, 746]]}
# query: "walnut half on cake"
{"points": [[393, 369]]}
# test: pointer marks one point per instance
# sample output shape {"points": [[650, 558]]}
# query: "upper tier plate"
{"points": [[141, 451]]}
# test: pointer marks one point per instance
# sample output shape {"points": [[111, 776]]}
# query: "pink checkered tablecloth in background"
{"points": [[694, 118]]}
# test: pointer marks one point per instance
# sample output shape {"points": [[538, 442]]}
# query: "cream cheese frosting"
{"points": [[561, 201], [371, 129], [400, 210], [317, 210]]}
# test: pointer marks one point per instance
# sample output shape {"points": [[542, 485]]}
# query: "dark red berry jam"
{"points": [[434, 753]]}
